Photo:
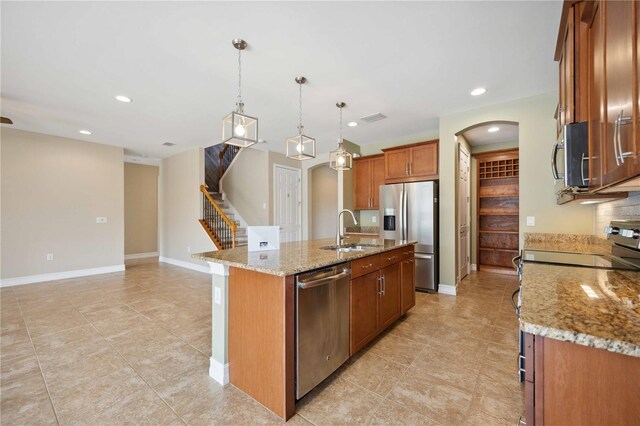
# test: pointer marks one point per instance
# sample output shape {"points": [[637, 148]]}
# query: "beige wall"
{"points": [[140, 208], [179, 207], [324, 202], [626, 209], [246, 185], [537, 133], [52, 191]]}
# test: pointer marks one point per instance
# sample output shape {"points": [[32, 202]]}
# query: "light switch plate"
{"points": [[217, 295], [49, 256], [531, 221], [101, 219], [374, 219]]}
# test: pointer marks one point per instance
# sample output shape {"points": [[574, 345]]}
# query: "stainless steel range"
{"points": [[624, 255]]}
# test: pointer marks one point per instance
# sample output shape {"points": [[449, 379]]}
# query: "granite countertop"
{"points": [[298, 256], [362, 230], [593, 307]]}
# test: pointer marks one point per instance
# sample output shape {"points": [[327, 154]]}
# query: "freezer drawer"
{"points": [[426, 272]]}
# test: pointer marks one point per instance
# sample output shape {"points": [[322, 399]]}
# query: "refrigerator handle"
{"points": [[401, 215], [405, 212]]}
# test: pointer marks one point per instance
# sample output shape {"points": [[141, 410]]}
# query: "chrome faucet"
{"points": [[339, 235]]}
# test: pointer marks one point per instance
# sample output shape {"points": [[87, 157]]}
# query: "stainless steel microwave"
{"points": [[570, 157]]}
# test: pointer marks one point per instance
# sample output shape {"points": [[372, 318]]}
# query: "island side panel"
{"points": [[261, 338]]}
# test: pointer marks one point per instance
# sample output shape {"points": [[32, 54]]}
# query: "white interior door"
{"points": [[464, 213], [288, 204]]}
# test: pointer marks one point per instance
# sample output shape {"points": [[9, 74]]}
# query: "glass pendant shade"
{"points": [[340, 159], [240, 130], [301, 147]]}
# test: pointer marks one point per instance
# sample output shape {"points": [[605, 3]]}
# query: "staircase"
{"points": [[219, 222]]}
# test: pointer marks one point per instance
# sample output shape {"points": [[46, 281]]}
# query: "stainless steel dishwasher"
{"points": [[322, 325]]}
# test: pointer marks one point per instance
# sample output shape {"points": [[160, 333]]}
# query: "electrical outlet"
{"points": [[101, 219], [188, 249], [49, 256], [531, 221], [264, 206], [374, 219], [217, 295]]}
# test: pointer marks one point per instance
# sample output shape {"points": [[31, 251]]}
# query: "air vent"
{"points": [[373, 117], [168, 144]]}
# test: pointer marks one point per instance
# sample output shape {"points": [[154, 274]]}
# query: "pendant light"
{"points": [[238, 128], [340, 159], [301, 147]]}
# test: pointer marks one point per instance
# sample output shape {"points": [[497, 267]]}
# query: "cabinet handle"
{"points": [[379, 280], [620, 120], [406, 168], [384, 284], [392, 258], [367, 266], [407, 252], [584, 180], [410, 168]]}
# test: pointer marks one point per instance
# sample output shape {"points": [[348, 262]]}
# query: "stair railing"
{"points": [[220, 228], [227, 155]]}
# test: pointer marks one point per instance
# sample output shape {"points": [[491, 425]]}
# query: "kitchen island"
{"points": [[582, 338], [258, 318]]}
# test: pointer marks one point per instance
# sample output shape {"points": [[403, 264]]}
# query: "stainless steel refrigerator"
{"points": [[409, 211]]}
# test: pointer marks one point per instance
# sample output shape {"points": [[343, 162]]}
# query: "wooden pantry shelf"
{"points": [[498, 207]]}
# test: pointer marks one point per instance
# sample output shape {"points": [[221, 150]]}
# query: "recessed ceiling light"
{"points": [[123, 98], [493, 129], [479, 91], [85, 132], [352, 124]]}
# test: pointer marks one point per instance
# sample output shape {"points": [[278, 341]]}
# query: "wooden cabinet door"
{"points": [[362, 184], [363, 324], [407, 284], [377, 179], [424, 161], [389, 310], [597, 99], [396, 164], [567, 82], [636, 161], [618, 154]]}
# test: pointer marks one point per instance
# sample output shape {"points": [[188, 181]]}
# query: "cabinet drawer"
{"points": [[364, 266], [391, 257], [407, 252]]}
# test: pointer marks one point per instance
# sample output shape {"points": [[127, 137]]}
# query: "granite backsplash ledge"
{"points": [[576, 243], [373, 230]]}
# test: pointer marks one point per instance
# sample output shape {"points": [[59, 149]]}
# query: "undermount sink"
{"points": [[346, 248]]}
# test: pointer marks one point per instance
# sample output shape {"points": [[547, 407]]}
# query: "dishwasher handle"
{"points": [[324, 280]]}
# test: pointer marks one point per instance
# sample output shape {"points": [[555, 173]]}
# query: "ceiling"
{"points": [[63, 62], [480, 135]]}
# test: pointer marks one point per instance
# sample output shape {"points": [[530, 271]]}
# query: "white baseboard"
{"points": [[183, 264], [474, 267], [141, 255], [30, 279], [219, 372], [447, 289]]}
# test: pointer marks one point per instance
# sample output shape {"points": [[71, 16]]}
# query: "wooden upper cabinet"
{"points": [[596, 98], [636, 161], [566, 70], [619, 82], [411, 163], [368, 176]]}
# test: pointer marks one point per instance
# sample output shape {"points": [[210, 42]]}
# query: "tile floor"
{"points": [[133, 348]]}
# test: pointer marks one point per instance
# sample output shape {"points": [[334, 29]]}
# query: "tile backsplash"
{"points": [[629, 208]]}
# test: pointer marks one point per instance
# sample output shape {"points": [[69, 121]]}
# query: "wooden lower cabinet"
{"points": [[389, 300], [380, 296], [577, 384], [408, 285], [363, 311]]}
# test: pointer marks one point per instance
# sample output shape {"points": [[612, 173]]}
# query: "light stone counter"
{"points": [[592, 307], [298, 256]]}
